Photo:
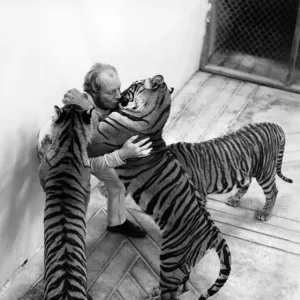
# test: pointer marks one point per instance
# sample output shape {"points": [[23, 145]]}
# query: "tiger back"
{"points": [[64, 174], [159, 185], [216, 166]]}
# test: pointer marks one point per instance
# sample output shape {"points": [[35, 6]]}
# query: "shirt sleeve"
{"points": [[110, 160]]}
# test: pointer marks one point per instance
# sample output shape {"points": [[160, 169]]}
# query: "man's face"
{"points": [[109, 95]]}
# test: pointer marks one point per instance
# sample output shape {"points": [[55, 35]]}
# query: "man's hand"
{"points": [[133, 150], [73, 96]]}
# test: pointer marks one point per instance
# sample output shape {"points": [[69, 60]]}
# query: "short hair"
{"points": [[92, 82]]}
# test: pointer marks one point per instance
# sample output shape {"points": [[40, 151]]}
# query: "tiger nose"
{"points": [[123, 101]]}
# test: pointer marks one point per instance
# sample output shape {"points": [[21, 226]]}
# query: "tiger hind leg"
{"points": [[156, 294], [242, 190], [270, 191], [175, 286]]}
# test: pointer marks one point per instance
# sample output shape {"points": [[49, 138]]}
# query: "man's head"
{"points": [[103, 84]]}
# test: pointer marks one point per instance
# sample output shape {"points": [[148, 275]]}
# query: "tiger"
{"points": [[162, 189], [217, 165], [64, 174]]}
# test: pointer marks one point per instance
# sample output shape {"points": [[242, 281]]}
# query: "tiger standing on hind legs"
{"points": [[64, 174], [217, 165], [160, 186]]}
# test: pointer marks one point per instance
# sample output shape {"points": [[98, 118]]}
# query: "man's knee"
{"points": [[116, 189]]}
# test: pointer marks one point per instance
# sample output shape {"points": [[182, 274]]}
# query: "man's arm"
{"points": [[110, 160], [119, 157]]}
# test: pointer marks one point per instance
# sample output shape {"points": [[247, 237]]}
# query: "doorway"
{"points": [[254, 40]]}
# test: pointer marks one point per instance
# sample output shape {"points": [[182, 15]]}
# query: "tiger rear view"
{"points": [[65, 177], [216, 166], [159, 185]]}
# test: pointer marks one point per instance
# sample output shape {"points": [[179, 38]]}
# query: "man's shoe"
{"points": [[128, 229]]}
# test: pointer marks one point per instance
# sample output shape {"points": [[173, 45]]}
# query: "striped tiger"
{"points": [[159, 185], [64, 174], [216, 166]]}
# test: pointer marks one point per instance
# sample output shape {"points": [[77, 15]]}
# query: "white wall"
{"points": [[46, 47]]}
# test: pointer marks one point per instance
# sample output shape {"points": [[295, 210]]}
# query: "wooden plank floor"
{"points": [[265, 256]]}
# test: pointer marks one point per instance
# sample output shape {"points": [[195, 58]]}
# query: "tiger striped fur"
{"points": [[65, 177], [162, 189], [217, 165]]}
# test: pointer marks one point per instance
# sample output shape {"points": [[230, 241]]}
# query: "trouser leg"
{"points": [[116, 211]]}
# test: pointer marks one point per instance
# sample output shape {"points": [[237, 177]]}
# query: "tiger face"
{"points": [[146, 96], [144, 110]]}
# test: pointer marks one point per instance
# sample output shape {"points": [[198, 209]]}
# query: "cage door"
{"points": [[254, 40]]}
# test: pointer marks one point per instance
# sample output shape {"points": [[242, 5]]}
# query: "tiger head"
{"points": [[65, 137], [144, 95], [144, 110], [72, 119], [70, 127], [148, 101]]}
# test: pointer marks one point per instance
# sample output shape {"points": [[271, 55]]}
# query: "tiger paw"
{"points": [[263, 215], [183, 288], [232, 201], [150, 298], [155, 291], [160, 297], [156, 298], [156, 294]]}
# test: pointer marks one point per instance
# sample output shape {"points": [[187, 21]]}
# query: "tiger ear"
{"points": [[87, 115], [171, 90], [156, 81], [59, 113]]}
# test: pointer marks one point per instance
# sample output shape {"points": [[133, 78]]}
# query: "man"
{"points": [[102, 86]]}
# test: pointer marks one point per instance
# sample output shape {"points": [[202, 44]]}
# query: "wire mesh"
{"points": [[263, 28]]}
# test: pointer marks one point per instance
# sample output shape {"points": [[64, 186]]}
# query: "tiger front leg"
{"points": [[242, 190], [271, 195]]}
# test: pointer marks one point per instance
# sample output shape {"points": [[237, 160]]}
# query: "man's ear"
{"points": [[59, 114], [87, 115]]}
